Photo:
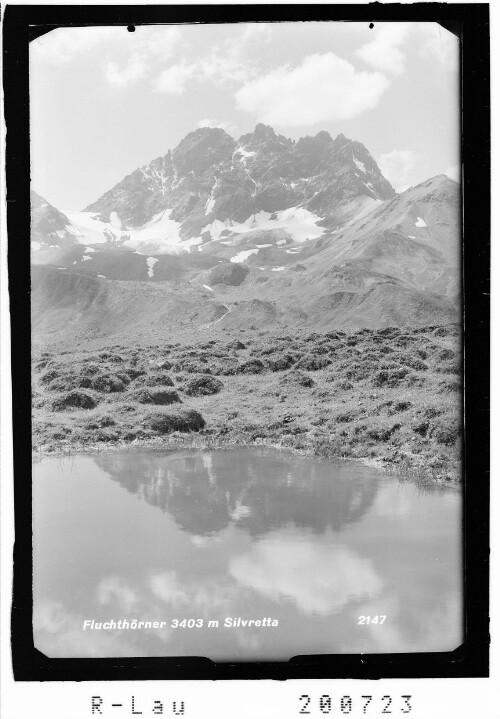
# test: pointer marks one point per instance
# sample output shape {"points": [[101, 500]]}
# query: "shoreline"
{"points": [[201, 442]]}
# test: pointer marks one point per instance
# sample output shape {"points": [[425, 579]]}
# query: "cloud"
{"points": [[163, 43], [454, 172], [134, 70], [324, 87], [383, 52], [151, 51], [208, 122], [225, 67], [173, 80], [63, 44], [439, 44], [147, 49], [255, 32], [112, 589], [397, 167], [319, 578], [227, 63]]}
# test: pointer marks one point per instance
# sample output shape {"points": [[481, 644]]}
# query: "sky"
{"points": [[104, 101]]}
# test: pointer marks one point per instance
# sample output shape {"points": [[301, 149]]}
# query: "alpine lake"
{"points": [[242, 554]]}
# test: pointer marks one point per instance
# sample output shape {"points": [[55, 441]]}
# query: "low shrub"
{"points": [[421, 428], [297, 378], [133, 372], [252, 366], [450, 386], [411, 361], [448, 368], [76, 399], [313, 362], [109, 383], [446, 354], [100, 421], [155, 396], [191, 368], [344, 386], [432, 412], [203, 385], [402, 406], [89, 369], [382, 434], [441, 332], [66, 382], [390, 378], [235, 345], [47, 377], [110, 357], [281, 362], [154, 379], [180, 421], [446, 433]]}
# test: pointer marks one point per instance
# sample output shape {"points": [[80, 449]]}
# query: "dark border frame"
{"points": [[470, 21]]}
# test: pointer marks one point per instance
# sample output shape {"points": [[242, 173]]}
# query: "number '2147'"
{"points": [[387, 705], [377, 619]]}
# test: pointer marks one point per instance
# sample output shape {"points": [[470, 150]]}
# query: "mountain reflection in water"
{"points": [[207, 492], [248, 533]]}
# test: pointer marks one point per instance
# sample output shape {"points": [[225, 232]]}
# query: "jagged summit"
{"points": [[211, 175], [266, 230]]}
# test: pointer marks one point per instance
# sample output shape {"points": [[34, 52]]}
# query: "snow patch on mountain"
{"points": [[115, 220], [151, 262], [243, 255], [244, 154], [360, 165], [420, 222], [160, 235], [300, 223], [209, 205]]}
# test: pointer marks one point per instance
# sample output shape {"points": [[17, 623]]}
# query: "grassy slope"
{"points": [[390, 396]]}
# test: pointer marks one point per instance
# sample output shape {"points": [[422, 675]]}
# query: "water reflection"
{"points": [[241, 533], [319, 576], [207, 492]]}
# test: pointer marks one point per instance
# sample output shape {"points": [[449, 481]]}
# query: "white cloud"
{"points": [[397, 167], [173, 80], [255, 32], [383, 52], [440, 44], [324, 87], [151, 50], [223, 67], [62, 44], [208, 122], [454, 173], [226, 63], [135, 69], [163, 43], [112, 589], [319, 578]]}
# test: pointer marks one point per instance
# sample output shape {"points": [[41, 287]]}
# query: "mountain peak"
{"points": [[324, 137], [263, 132]]}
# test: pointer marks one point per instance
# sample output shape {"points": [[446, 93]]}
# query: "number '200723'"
{"points": [[346, 704]]}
